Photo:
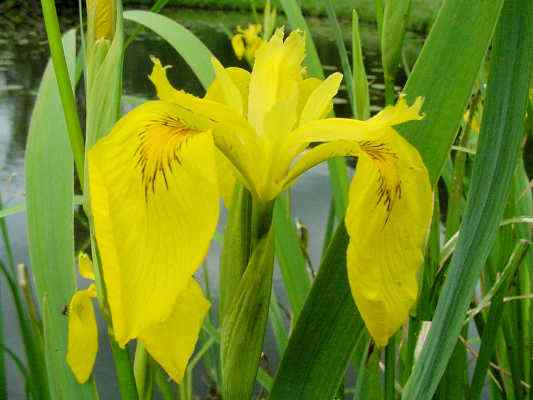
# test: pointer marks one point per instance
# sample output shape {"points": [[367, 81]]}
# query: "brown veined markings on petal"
{"points": [[389, 183], [160, 141]]}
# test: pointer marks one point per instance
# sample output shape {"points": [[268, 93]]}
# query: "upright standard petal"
{"points": [[171, 342], [82, 334], [155, 200], [388, 218], [276, 75]]}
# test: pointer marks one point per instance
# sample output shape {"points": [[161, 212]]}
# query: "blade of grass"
{"points": [[360, 81], [453, 52], [5, 238], [278, 326], [49, 198], [66, 92], [490, 333], [500, 137], [30, 338], [343, 54], [289, 254]]}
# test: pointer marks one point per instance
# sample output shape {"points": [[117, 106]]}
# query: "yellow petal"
{"points": [[305, 88], [85, 266], [240, 78], [171, 343], [226, 172], [154, 198], [213, 111], [318, 154], [388, 217], [276, 73], [82, 334], [320, 101], [245, 156], [237, 42], [230, 91], [399, 113], [332, 129]]}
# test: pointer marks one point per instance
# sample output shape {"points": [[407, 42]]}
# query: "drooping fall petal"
{"points": [[172, 342], [388, 217], [82, 334], [154, 198], [389, 210]]}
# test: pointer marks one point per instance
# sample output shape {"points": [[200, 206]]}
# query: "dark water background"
{"points": [[23, 56]]}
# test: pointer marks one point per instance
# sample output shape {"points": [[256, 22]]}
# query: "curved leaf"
{"points": [[186, 43]]}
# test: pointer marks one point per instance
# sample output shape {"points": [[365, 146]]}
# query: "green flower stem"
{"points": [[125, 376], [63, 82]]}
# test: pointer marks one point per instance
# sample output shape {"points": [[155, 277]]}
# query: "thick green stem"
{"points": [[63, 82]]}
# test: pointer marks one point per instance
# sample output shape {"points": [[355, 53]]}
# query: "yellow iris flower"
{"points": [[246, 42], [157, 177]]}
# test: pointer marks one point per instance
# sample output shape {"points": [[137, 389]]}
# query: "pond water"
{"points": [[23, 56]]}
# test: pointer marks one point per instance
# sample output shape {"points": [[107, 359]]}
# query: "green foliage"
{"points": [[49, 197], [496, 158]]}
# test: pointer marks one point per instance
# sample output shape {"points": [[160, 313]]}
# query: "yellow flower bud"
{"points": [[101, 19]]}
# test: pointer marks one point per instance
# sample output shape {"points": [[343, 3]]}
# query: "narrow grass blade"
{"points": [[360, 81], [343, 54], [49, 197], [278, 325], [445, 74], [63, 78], [395, 16], [8, 211], [325, 334], [498, 149], [3, 381], [289, 254], [488, 340], [5, 238], [193, 51]]}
